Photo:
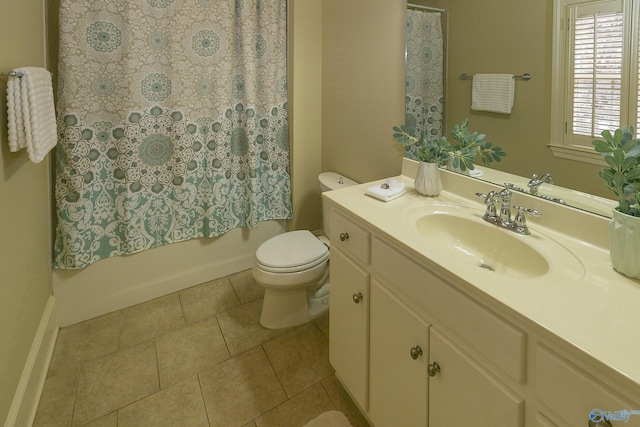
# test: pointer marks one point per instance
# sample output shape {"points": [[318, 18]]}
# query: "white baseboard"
{"points": [[27, 396]]}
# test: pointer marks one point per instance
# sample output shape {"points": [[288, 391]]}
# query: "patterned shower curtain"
{"points": [[424, 68], [172, 123]]}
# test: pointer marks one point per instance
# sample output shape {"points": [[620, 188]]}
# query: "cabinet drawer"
{"points": [[572, 393], [349, 236], [499, 341]]}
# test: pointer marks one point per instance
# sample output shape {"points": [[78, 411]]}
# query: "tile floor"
{"points": [[197, 357]]}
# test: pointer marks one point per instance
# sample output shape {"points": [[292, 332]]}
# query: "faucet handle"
{"points": [[490, 200], [520, 220]]}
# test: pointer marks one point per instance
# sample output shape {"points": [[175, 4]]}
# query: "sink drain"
{"points": [[486, 266]]}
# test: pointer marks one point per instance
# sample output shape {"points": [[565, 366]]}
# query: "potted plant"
{"points": [[621, 151], [438, 151], [430, 153]]}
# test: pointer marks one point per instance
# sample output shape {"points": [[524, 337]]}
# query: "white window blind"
{"points": [[595, 86], [597, 73], [596, 70]]}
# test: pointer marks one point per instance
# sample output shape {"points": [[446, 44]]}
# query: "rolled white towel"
{"points": [[31, 117], [389, 190]]}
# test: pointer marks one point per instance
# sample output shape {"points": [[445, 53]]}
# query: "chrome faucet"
{"points": [[536, 182], [503, 220], [505, 207]]}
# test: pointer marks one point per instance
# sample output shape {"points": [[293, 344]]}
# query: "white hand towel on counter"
{"points": [[31, 117], [395, 190], [493, 92]]}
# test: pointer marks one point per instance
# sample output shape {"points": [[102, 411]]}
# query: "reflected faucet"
{"points": [[536, 182]]}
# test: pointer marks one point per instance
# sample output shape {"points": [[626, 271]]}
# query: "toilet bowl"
{"points": [[293, 267]]}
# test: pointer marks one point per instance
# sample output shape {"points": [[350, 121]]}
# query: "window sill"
{"points": [[577, 153]]}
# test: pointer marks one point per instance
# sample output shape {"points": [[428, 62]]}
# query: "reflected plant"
{"points": [[621, 151], [462, 155]]}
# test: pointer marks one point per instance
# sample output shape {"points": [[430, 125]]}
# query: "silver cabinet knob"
{"points": [[433, 369], [344, 237], [415, 352], [357, 297]]}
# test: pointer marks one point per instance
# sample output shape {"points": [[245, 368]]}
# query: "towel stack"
{"points": [[493, 92], [31, 117], [389, 190]]}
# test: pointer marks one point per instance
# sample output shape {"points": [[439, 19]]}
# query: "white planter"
{"points": [[428, 181], [624, 244]]}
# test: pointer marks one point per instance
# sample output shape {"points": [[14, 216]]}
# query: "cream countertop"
{"points": [[588, 305]]}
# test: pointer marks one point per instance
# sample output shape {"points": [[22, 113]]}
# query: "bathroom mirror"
{"points": [[462, 53]]}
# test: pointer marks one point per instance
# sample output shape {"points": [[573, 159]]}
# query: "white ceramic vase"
{"points": [[624, 244], [428, 181]]}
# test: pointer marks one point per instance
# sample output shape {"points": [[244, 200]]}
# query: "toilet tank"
{"points": [[331, 181]]}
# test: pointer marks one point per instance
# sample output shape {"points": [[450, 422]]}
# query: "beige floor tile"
{"points": [[299, 410], [323, 323], [186, 351], [178, 405], [115, 381], [246, 287], [110, 420], [240, 389], [150, 319], [207, 299], [300, 358], [89, 340], [57, 399], [343, 402], [242, 330]]}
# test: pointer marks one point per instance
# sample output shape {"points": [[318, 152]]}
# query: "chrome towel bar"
{"points": [[525, 77]]}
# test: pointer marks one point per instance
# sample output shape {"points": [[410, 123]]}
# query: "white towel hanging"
{"points": [[31, 117], [493, 92]]}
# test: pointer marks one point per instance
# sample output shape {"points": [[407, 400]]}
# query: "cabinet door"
{"points": [[397, 363], [349, 325], [463, 393]]}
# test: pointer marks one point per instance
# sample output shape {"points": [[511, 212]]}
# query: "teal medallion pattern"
{"points": [[424, 77], [172, 122]]}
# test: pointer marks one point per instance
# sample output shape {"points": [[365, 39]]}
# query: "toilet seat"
{"points": [[291, 252]]}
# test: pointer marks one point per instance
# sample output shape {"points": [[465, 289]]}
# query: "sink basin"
{"points": [[482, 244]]}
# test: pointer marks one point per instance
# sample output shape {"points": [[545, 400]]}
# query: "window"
{"points": [[595, 73]]}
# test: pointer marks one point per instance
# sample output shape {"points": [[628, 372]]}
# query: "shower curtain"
{"points": [[424, 100], [172, 125]]}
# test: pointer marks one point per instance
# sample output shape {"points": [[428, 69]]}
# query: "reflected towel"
{"points": [[395, 189], [31, 117], [493, 92]]}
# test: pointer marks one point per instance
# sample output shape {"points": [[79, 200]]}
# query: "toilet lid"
{"points": [[291, 251]]}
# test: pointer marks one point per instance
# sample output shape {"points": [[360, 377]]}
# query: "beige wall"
{"points": [[511, 36], [305, 73], [24, 210], [362, 86]]}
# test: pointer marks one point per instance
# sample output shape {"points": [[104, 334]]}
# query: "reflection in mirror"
{"points": [[425, 73], [426, 60]]}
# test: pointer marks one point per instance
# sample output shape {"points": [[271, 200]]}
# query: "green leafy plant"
{"points": [[621, 151], [463, 153], [472, 144]]}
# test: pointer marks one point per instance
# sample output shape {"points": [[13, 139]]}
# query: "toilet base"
{"points": [[294, 307]]}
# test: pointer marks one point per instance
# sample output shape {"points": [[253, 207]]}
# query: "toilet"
{"points": [[293, 267]]}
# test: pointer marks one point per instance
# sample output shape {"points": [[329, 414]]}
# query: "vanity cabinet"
{"points": [[573, 393], [464, 393], [349, 317], [399, 354], [414, 347]]}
